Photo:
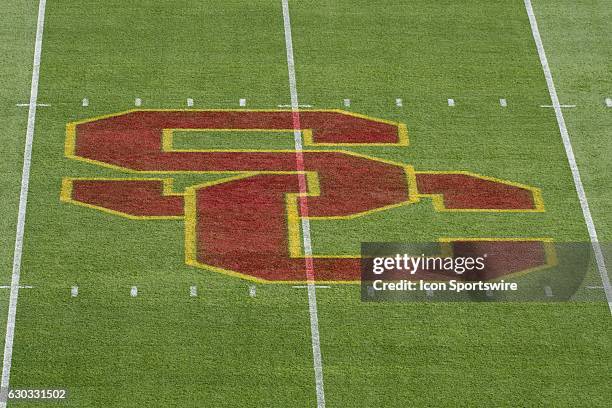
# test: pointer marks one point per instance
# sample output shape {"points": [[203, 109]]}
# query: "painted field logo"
{"points": [[259, 203]]}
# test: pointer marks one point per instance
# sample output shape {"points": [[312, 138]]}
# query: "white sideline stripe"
{"points": [[23, 201], [252, 291], [137, 102], [193, 291], [312, 290], [399, 103], [301, 106], [306, 287], [242, 102], [609, 102], [451, 102], [569, 151], [503, 103], [134, 291], [74, 291], [561, 106], [548, 291], [85, 102], [44, 105], [189, 102], [347, 102]]}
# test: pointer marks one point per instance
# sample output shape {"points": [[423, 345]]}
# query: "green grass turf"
{"points": [[227, 349]]}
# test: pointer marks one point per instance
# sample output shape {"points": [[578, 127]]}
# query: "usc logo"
{"points": [[248, 224]]}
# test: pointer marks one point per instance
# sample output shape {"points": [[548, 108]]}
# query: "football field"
{"points": [[185, 229]]}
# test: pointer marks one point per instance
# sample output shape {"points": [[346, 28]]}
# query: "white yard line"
{"points": [[601, 265], [23, 105], [23, 200], [297, 135], [560, 106], [301, 106], [20, 287]]}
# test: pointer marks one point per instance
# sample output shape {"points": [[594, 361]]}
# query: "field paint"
{"points": [[430, 292], [252, 291], [189, 102], [560, 106], [242, 102], [300, 106], [134, 291], [569, 151], [399, 103], [594, 287], [23, 201], [347, 102], [85, 102], [74, 291], [503, 103], [20, 287], [137, 102], [317, 359], [306, 287], [44, 105], [193, 291], [609, 102], [451, 102], [548, 291]]}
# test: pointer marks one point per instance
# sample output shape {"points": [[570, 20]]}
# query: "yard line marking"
{"points": [[594, 287], [503, 103], [561, 106], [347, 103], [20, 287], [189, 102], [306, 287], [569, 151], [451, 102], [193, 291], [303, 203], [85, 102], [288, 106], [609, 102], [22, 105], [134, 291], [137, 102], [399, 103], [74, 291], [548, 291], [242, 102], [23, 200], [252, 291]]}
